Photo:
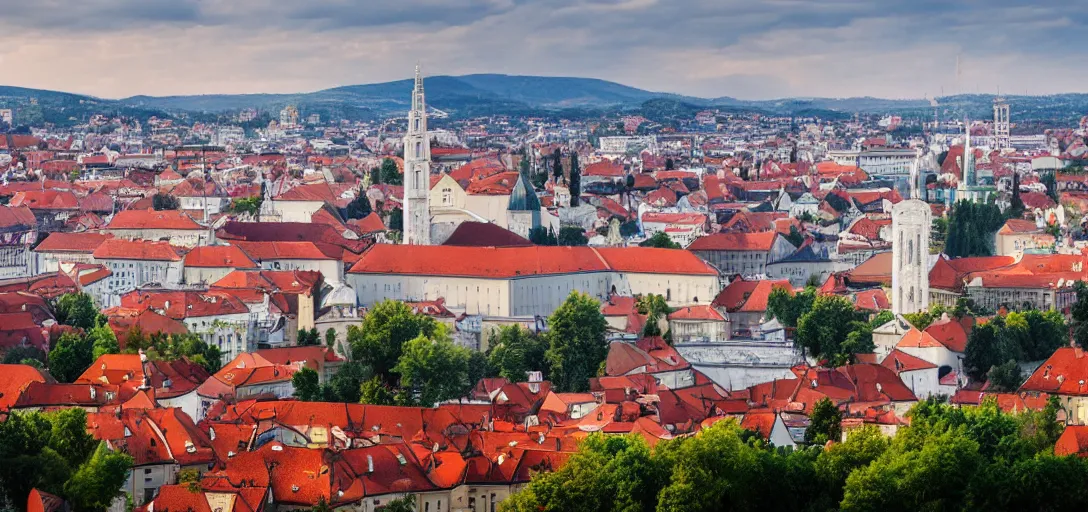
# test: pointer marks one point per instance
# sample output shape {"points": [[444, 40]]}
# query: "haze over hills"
{"points": [[484, 94]]}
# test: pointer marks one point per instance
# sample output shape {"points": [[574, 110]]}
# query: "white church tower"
{"points": [[417, 171], [911, 222]]}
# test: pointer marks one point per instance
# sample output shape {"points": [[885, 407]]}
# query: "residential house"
{"points": [[698, 324], [60, 248], [746, 254], [1018, 236], [302, 256], [18, 234], [210, 263], [134, 264], [170, 225]]}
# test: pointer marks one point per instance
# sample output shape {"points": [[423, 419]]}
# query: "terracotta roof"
{"points": [[508, 262], [1073, 441], [735, 242], [697, 313], [749, 296], [370, 224], [950, 333], [899, 362], [151, 219], [1065, 373], [875, 270], [1019, 227], [14, 217], [872, 300], [72, 242], [219, 256], [45, 200], [117, 249], [14, 378], [918, 339], [265, 251], [484, 234]]}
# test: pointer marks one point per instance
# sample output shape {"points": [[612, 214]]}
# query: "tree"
{"points": [[1016, 205], [21, 353], [396, 220], [514, 351], [330, 338], [346, 385], [576, 342], [71, 356], [358, 208], [76, 310], [94, 486], [1079, 314], [543, 236], [557, 165], [795, 237], [823, 330], [971, 228], [163, 201], [308, 337], [669, 164], [374, 392], [660, 240], [390, 173], [379, 340], [655, 307], [68, 435], [572, 236], [575, 180], [825, 423], [432, 371], [787, 306], [988, 345], [29, 459], [190, 478], [250, 205], [1005, 377], [103, 341], [1041, 332], [307, 385], [406, 503]]}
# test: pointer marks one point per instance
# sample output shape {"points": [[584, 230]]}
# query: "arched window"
{"points": [[910, 252], [419, 150]]}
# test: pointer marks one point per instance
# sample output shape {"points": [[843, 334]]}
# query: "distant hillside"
{"points": [[488, 94]]}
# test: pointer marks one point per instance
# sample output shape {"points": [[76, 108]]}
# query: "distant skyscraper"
{"points": [[1002, 125], [417, 171]]}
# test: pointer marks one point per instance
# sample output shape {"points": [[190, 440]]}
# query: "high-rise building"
{"points": [[417, 171], [1002, 125]]}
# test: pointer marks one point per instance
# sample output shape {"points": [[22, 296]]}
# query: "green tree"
{"points": [[971, 228], [1079, 314], [660, 240], [1016, 205], [543, 236], [163, 201], [190, 478], [514, 351], [575, 180], [307, 385], [432, 371], [379, 340], [823, 330], [308, 337], [103, 341], [29, 460], [374, 392], [557, 165], [1043, 332], [390, 173], [76, 310], [250, 205], [18, 354], [576, 342], [572, 236], [68, 435], [70, 358], [789, 307], [881, 318], [669, 164], [95, 485], [330, 338], [655, 307], [346, 385], [825, 423], [358, 208], [795, 237], [1005, 377], [987, 346], [405, 503], [396, 220]]}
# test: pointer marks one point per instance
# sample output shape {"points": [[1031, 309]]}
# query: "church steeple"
{"points": [[417, 170]]}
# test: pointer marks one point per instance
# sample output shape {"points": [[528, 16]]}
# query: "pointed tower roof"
{"points": [[523, 196]]}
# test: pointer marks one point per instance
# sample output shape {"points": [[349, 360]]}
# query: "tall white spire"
{"points": [[417, 170]]}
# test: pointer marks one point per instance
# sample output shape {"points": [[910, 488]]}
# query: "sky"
{"points": [[749, 49]]}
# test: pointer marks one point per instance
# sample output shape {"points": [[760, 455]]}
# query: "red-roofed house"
{"points": [[690, 324], [247, 375], [745, 302], [211, 263], [1018, 236], [19, 231], [921, 376], [303, 256], [1064, 375], [60, 248], [133, 264], [923, 345], [172, 225], [747, 254]]}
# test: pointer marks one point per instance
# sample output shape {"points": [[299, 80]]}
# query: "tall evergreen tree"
{"points": [[557, 165], [575, 180]]}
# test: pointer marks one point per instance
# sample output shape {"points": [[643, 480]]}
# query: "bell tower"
{"points": [[417, 171]]}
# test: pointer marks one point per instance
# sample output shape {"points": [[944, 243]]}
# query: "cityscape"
{"points": [[486, 291]]}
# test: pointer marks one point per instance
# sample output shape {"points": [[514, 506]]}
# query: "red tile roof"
{"points": [[950, 333], [45, 200], [14, 217], [151, 219], [72, 242], [117, 249], [899, 362], [697, 313], [735, 242], [219, 256], [1065, 373], [14, 378], [1073, 441], [267, 251], [742, 296], [918, 339]]}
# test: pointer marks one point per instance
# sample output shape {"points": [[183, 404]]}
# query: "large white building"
{"points": [[911, 221], [417, 171], [527, 281]]}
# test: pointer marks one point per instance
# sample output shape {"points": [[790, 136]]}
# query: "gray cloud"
{"points": [[743, 48]]}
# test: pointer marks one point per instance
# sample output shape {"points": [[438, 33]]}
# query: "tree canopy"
{"points": [[71, 356], [824, 331], [390, 174], [576, 342], [660, 240], [971, 228], [76, 310], [572, 236], [975, 458], [514, 351], [163, 201], [788, 307]]}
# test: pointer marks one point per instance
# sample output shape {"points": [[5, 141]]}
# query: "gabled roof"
{"points": [[151, 219], [918, 339], [219, 256], [118, 249], [899, 362], [16, 217], [949, 332], [735, 242], [484, 234], [72, 242], [749, 296], [266, 251], [1065, 373], [14, 378]]}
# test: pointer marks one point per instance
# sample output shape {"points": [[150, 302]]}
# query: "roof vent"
{"points": [[1061, 379], [502, 458], [230, 454], [401, 459], [277, 448], [369, 464], [513, 444], [294, 488], [190, 447]]}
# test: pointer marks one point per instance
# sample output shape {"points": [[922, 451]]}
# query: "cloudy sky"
{"points": [[752, 49]]}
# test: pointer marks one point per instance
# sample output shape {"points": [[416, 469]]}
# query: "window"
{"points": [[419, 150], [447, 196]]}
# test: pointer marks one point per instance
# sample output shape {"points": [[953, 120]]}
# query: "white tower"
{"points": [[911, 222], [417, 171], [1001, 123]]}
